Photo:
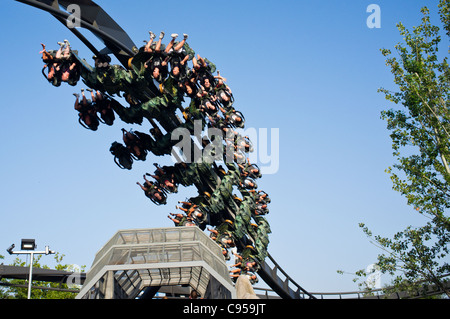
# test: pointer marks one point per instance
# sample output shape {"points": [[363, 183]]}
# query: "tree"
{"points": [[420, 133], [17, 288]]}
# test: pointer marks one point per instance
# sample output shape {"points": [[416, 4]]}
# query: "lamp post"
{"points": [[28, 247]]}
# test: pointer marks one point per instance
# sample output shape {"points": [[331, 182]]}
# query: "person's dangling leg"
{"points": [[147, 47], [158, 44]]}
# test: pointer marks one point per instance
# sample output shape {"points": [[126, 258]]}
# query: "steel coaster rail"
{"points": [[282, 288], [123, 49]]}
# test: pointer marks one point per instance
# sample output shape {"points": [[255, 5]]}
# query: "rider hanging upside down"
{"points": [[178, 57], [181, 220], [157, 65], [203, 69], [206, 101], [87, 112], [194, 212], [223, 91], [153, 192], [122, 156], [103, 106], [51, 64], [134, 144], [249, 169], [165, 177], [61, 66]]}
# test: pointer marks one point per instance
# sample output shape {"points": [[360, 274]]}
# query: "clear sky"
{"points": [[310, 69]]}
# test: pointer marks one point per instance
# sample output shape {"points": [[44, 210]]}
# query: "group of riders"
{"points": [[159, 80]]}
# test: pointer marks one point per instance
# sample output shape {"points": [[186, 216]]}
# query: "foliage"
{"points": [[16, 292], [420, 133]]}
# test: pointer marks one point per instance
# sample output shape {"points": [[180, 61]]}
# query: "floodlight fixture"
{"points": [[28, 244]]}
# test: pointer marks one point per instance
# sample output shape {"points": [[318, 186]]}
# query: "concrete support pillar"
{"points": [[109, 285], [244, 289]]}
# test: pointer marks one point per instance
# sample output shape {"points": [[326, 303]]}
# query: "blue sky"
{"points": [[309, 69]]}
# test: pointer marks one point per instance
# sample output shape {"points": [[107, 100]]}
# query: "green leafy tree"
{"points": [[420, 133], [18, 288]]}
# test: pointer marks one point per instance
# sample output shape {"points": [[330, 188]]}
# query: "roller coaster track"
{"points": [[94, 19]]}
